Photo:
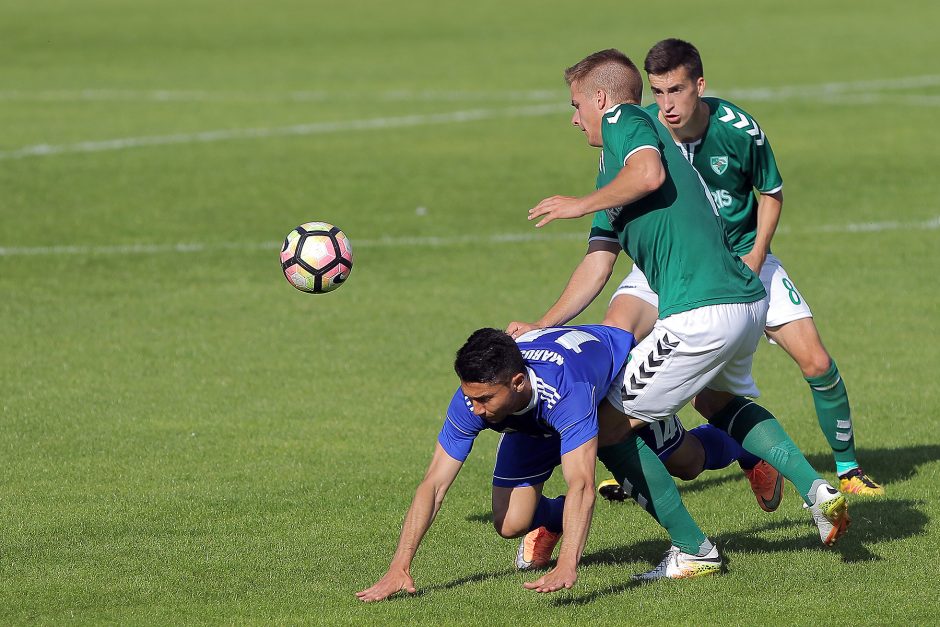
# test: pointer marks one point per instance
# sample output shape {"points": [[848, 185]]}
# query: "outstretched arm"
{"points": [[769, 207], [642, 175], [424, 507], [586, 282], [578, 467]]}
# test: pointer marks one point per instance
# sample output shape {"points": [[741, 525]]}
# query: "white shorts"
{"points": [[710, 347], [786, 304]]}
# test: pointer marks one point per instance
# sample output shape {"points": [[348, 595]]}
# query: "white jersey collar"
{"points": [[535, 396]]}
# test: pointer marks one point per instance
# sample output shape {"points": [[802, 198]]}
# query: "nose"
{"points": [[478, 408], [574, 119]]}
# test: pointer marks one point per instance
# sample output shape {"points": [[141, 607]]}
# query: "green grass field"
{"points": [[187, 440]]}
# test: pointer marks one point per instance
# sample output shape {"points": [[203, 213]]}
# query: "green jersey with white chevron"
{"points": [[734, 158], [674, 235]]}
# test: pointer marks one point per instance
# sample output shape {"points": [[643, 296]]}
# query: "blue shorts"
{"points": [[663, 437], [523, 460]]}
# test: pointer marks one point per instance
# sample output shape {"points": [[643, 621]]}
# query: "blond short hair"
{"points": [[611, 71]]}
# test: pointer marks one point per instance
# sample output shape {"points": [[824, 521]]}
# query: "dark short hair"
{"points": [[671, 54], [610, 70], [489, 356]]}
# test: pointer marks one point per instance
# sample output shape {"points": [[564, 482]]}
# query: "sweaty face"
{"points": [[587, 114], [492, 401], [677, 96]]}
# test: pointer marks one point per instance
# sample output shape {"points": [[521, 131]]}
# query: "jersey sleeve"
{"points": [[575, 417], [628, 135], [601, 228], [765, 177], [460, 429]]}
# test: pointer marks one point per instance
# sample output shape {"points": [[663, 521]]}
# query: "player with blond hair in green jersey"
{"points": [[731, 152], [651, 203]]}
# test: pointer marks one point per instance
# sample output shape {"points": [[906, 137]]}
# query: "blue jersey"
{"points": [[570, 369]]}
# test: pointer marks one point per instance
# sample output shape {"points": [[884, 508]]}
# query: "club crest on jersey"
{"points": [[719, 164]]}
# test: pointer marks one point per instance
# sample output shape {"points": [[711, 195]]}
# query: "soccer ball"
{"points": [[316, 258]]}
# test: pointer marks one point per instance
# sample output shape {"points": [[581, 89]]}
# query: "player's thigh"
{"points": [[634, 305], [514, 509], [523, 464], [681, 356], [734, 377], [800, 339], [785, 302], [613, 426]]}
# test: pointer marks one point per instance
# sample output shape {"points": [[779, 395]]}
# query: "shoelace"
{"points": [[866, 480], [759, 475], [540, 550], [671, 556]]}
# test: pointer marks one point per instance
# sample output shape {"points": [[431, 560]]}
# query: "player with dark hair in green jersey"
{"points": [[652, 203], [733, 155]]}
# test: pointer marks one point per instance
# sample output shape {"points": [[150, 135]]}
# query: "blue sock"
{"points": [[548, 514], [720, 449]]}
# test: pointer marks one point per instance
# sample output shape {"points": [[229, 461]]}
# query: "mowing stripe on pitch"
{"points": [[819, 93], [430, 241], [808, 91]]}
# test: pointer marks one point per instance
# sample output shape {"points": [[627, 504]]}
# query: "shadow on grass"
{"points": [[886, 465], [873, 522], [456, 583]]}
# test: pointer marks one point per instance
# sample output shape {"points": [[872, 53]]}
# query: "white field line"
{"points": [[822, 92], [827, 90], [426, 241], [195, 95], [316, 128]]}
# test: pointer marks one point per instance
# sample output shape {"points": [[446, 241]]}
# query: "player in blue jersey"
{"points": [[541, 391]]}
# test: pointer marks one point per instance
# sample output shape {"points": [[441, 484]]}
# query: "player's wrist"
{"points": [[400, 566], [567, 566]]}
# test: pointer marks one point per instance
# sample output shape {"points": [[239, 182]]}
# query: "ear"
{"points": [[517, 383], [700, 86], [600, 98]]}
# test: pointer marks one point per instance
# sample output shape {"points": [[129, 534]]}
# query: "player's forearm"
{"points": [[579, 508], [642, 174], [769, 207], [424, 508], [586, 282], [629, 186]]}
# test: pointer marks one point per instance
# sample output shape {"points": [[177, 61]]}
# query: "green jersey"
{"points": [[674, 235], [734, 158]]}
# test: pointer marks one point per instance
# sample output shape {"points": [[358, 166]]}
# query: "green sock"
{"points": [[755, 429], [835, 417], [646, 480]]}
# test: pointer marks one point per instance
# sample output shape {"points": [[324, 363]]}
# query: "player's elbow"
{"points": [[654, 179]]}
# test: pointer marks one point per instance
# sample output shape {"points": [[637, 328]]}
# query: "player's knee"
{"points": [[709, 402], [509, 526], [686, 470], [507, 529], [687, 473], [816, 364]]}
